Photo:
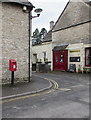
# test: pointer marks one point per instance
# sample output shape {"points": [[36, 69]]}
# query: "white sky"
{"points": [[51, 11]]}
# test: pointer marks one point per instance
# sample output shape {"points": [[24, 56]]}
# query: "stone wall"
{"points": [[0, 42], [15, 25], [0, 57], [73, 35]]}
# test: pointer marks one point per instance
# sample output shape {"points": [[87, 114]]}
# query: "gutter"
{"points": [[24, 4], [80, 23], [21, 3]]}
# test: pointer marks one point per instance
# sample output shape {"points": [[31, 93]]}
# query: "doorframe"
{"points": [[65, 56]]}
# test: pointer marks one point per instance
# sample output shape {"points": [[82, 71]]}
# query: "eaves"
{"points": [[73, 25], [20, 3]]}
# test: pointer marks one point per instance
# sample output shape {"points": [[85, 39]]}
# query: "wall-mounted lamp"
{"points": [[28, 10], [38, 11], [24, 8]]}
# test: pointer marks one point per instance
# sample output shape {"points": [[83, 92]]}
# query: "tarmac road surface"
{"points": [[69, 98]]}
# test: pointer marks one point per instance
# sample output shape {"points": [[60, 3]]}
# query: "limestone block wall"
{"points": [[73, 35], [0, 57], [40, 49], [0, 42], [15, 38]]}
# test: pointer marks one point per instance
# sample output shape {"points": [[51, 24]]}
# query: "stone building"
{"points": [[71, 41], [42, 53], [14, 38]]}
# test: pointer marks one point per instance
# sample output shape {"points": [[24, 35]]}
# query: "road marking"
{"points": [[64, 89], [80, 85], [22, 94], [17, 97], [88, 83], [56, 87], [28, 96], [53, 81]]}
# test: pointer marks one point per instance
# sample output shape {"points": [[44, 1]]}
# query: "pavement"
{"points": [[39, 83], [36, 85]]}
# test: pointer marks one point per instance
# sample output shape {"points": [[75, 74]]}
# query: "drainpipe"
{"points": [[29, 44], [28, 10], [30, 26]]}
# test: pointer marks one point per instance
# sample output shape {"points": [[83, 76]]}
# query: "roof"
{"points": [[60, 48], [21, 2], [89, 3], [73, 13], [48, 37]]}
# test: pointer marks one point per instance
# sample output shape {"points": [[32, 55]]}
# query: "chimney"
{"points": [[51, 24]]}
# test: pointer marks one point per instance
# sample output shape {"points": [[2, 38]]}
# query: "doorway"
{"points": [[60, 60]]}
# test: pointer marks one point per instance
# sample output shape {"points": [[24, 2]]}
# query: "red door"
{"points": [[60, 60]]}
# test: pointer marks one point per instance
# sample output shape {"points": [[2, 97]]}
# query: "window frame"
{"points": [[85, 57], [44, 56]]}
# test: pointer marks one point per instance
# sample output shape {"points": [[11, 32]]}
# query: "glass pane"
{"points": [[61, 56], [56, 59], [74, 59], [61, 60], [88, 56]]}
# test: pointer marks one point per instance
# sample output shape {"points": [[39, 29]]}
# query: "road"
{"points": [[70, 99]]}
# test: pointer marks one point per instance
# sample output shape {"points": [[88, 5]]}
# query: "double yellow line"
{"points": [[35, 94], [54, 82]]}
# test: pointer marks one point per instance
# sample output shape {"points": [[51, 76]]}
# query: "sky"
{"points": [[51, 11]]}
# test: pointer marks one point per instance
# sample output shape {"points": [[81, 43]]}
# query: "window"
{"points": [[35, 58], [61, 58], [74, 59], [88, 56], [44, 56], [56, 59]]}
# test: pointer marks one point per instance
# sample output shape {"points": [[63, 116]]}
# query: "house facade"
{"points": [[71, 41], [42, 53], [14, 38]]}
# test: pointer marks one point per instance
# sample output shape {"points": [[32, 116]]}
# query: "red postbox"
{"points": [[12, 65]]}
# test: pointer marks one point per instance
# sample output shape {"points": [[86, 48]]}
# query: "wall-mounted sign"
{"points": [[72, 51], [74, 59]]}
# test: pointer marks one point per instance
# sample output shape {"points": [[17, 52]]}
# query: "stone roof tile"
{"points": [[48, 37], [73, 13]]}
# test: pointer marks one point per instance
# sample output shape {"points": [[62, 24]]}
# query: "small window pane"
{"points": [[56, 59], [88, 56]]}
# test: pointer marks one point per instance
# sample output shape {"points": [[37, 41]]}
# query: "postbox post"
{"points": [[12, 77]]}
